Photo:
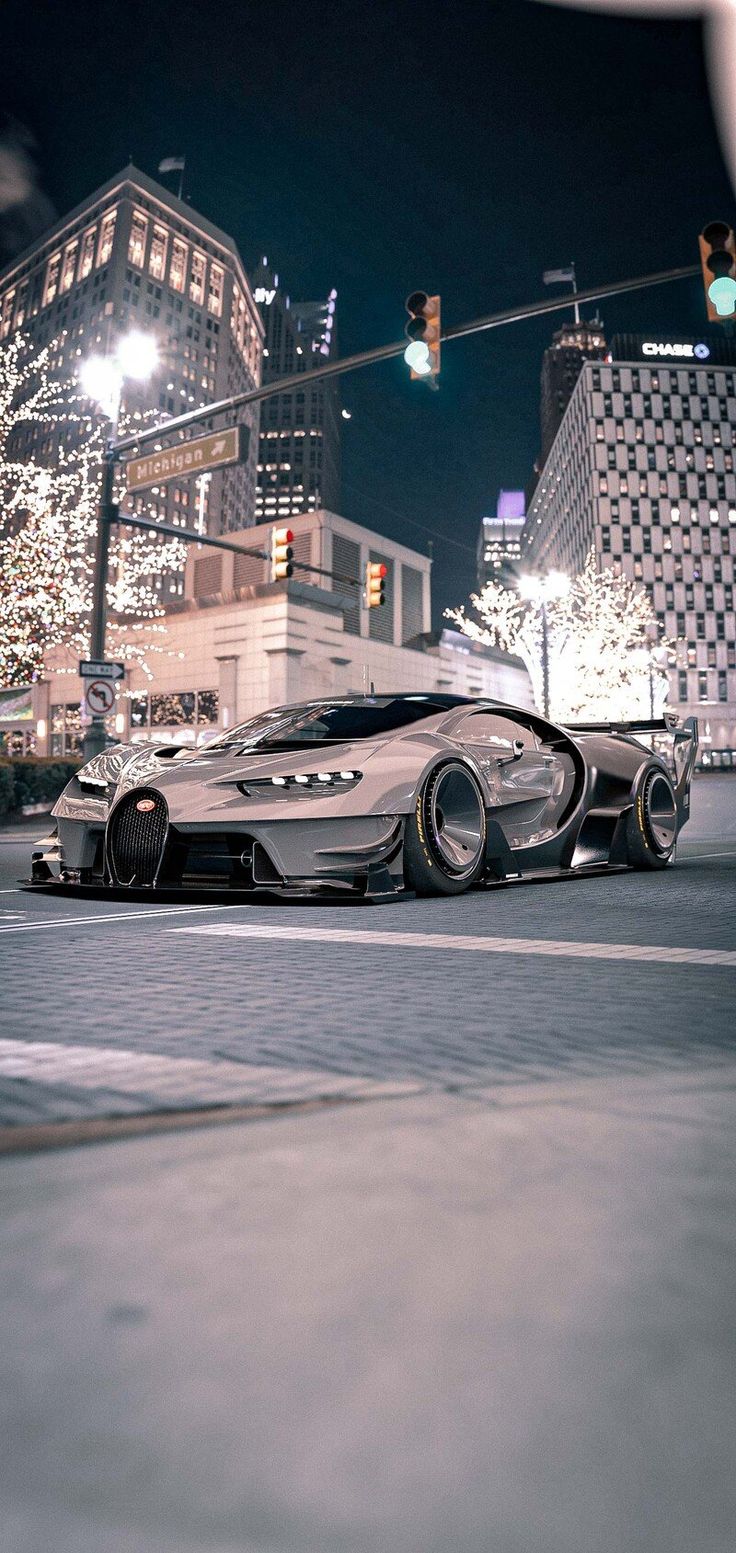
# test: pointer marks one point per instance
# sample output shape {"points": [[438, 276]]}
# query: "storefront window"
{"points": [[139, 712], [208, 707], [175, 709]]}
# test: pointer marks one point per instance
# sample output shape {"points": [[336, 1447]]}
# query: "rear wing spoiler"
{"points": [[684, 735], [668, 723]]}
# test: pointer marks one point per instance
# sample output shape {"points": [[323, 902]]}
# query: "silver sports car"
{"points": [[374, 796]]}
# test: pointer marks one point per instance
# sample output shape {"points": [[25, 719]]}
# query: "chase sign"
{"points": [[682, 351]]}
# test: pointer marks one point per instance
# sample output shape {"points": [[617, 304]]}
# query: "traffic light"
{"points": [[718, 258], [375, 583], [282, 554], [423, 330]]}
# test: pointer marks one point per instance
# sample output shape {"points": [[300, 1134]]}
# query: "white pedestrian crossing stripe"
{"points": [[556, 948]]}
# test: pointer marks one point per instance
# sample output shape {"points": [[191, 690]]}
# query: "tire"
{"points": [[445, 834], [651, 832]]}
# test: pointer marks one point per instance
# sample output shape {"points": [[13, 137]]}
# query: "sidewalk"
{"points": [[493, 1323]]}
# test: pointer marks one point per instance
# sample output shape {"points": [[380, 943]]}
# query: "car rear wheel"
{"points": [[445, 835], [651, 833]]}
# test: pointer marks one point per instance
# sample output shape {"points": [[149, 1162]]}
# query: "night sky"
{"points": [[386, 146]]}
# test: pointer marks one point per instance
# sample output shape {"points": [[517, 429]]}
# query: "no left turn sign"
{"points": [[99, 696]]}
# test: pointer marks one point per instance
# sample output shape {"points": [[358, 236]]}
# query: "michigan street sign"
{"points": [[100, 668], [184, 459]]}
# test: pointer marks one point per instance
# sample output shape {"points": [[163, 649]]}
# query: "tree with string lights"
{"points": [[602, 662], [50, 453]]}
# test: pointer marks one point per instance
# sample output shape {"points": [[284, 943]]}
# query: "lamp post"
{"points": [[542, 591], [101, 378]]}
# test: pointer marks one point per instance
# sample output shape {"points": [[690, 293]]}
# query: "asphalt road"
{"points": [[465, 1279], [538, 981]]}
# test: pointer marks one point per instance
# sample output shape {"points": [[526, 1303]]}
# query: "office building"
{"points": [[571, 346], [133, 256], [299, 444], [642, 473], [499, 541]]}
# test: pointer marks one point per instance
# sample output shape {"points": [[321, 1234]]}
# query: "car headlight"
{"points": [[305, 784]]}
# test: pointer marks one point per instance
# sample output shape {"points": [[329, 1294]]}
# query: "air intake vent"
{"points": [[136, 837]]}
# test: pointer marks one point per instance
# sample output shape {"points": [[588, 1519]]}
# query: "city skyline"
{"points": [[304, 187]]}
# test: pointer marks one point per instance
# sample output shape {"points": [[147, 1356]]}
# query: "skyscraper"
{"points": [[499, 540], [299, 444], [571, 346], [642, 473], [132, 255]]}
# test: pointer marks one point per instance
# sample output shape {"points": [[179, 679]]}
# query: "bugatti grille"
{"points": [[137, 835]]}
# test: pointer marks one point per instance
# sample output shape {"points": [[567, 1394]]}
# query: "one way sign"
{"points": [[96, 668]]}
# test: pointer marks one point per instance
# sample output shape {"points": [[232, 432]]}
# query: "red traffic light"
{"points": [[282, 554], [375, 585]]}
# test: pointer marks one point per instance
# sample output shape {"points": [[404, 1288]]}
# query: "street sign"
{"points": [[96, 668], [186, 459], [99, 697]]}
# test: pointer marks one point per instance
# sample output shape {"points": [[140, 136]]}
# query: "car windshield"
{"points": [[337, 722]]}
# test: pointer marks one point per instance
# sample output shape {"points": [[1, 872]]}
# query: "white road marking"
{"points": [[111, 916], [557, 948], [179, 1079], [697, 857]]}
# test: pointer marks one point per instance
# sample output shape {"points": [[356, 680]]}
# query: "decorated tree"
{"points": [[602, 662], [50, 453]]}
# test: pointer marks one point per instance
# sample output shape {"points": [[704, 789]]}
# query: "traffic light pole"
{"points": [[95, 737]]}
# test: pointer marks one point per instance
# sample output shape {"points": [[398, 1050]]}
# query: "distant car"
{"points": [[374, 796]]}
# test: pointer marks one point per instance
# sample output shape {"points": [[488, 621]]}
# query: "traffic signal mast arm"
{"points": [[190, 536], [509, 315]]}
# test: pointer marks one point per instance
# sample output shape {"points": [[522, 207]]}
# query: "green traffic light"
{"points": [[722, 293], [418, 357]]}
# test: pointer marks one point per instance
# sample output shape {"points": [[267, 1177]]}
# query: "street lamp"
{"points": [[101, 378], [542, 591]]}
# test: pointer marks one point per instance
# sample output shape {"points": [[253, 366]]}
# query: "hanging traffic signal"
{"points": [[718, 258], [375, 583], [282, 554], [423, 330]]}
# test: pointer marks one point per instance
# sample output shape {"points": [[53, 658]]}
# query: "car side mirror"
{"points": [[517, 746]]}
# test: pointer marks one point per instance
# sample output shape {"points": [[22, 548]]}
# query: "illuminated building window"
{"points": [[68, 267], [214, 296], [137, 243], [177, 275], [196, 280], [20, 307], [87, 253], [7, 313], [107, 233], [52, 279], [157, 259]]}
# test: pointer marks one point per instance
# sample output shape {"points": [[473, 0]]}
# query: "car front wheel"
{"points": [[445, 835]]}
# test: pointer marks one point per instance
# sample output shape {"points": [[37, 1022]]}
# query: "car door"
{"points": [[524, 785]]}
